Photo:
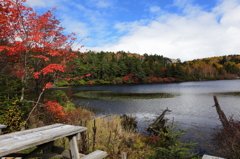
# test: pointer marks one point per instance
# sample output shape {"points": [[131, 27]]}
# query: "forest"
{"points": [[121, 67], [36, 55]]}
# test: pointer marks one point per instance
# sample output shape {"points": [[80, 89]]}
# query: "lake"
{"points": [[191, 105]]}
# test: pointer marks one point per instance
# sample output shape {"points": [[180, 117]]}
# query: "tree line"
{"points": [[124, 67]]}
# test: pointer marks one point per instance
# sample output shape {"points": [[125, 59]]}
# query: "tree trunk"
{"points": [[222, 116], [159, 124]]}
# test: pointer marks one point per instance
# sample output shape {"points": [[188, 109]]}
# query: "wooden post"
{"points": [[124, 155], [222, 116], [74, 147], [94, 134]]}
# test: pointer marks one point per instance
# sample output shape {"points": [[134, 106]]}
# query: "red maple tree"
{"points": [[33, 46]]}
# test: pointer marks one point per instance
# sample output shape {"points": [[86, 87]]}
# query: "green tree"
{"points": [[123, 69], [169, 72], [114, 69]]}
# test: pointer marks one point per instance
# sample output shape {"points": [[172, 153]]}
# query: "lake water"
{"points": [[192, 105]]}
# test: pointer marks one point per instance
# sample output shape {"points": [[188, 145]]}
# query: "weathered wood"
{"points": [[14, 142], [158, 124], [22, 155], [74, 147], [98, 154], [78, 136], [2, 127], [43, 138], [222, 116], [31, 130], [124, 155], [210, 157]]}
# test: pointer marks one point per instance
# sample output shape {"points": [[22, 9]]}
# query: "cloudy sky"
{"points": [[185, 29]]}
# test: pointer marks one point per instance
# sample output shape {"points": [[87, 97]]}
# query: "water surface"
{"points": [[192, 104]]}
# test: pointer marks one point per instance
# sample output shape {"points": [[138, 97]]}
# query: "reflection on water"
{"points": [[193, 107]]}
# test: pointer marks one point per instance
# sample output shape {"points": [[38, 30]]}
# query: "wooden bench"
{"points": [[43, 138], [2, 127], [210, 157]]}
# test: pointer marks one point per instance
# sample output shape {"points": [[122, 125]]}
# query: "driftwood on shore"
{"points": [[222, 116], [158, 124]]}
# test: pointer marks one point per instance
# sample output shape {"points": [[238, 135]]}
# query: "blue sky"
{"points": [[185, 29]]}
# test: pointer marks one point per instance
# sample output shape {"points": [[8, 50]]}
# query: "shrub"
{"points": [[117, 81], [13, 118], [80, 82], [100, 81], [168, 146], [129, 123], [228, 139], [61, 83]]}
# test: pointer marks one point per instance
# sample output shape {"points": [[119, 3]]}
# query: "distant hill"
{"points": [[222, 67]]}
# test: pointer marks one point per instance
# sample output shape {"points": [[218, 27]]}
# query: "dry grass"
{"points": [[107, 134], [103, 133]]}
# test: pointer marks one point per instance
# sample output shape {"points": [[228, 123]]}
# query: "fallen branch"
{"points": [[158, 124], [222, 116]]}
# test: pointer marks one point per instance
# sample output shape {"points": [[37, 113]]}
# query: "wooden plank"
{"points": [[52, 134], [11, 143], [210, 157], [124, 155], [30, 131], [98, 154], [22, 155], [74, 147], [2, 127], [46, 136]]}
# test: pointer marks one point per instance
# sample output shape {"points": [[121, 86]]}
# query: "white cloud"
{"points": [[196, 34], [155, 9], [130, 26], [75, 26], [182, 3], [101, 3], [44, 3], [34, 3], [94, 16]]}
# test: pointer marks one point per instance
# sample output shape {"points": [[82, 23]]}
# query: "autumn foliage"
{"points": [[55, 111], [34, 49], [32, 44]]}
